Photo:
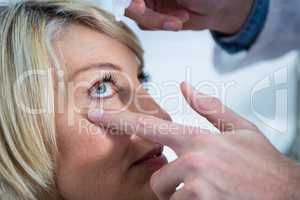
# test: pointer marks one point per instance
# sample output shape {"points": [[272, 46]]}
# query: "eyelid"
{"points": [[102, 76], [115, 91], [101, 80]]}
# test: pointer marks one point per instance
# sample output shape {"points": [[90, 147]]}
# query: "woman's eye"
{"points": [[102, 90]]}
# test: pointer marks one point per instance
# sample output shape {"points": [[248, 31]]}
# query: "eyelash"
{"points": [[107, 78], [110, 78], [144, 77]]}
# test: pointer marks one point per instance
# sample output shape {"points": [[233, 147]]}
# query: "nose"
{"points": [[145, 104], [161, 113]]}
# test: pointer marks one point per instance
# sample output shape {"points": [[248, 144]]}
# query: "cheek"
{"points": [[86, 156]]}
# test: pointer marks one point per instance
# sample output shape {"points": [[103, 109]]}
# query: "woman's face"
{"points": [[100, 72]]}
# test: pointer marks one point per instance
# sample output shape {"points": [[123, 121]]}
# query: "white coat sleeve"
{"points": [[281, 35]]}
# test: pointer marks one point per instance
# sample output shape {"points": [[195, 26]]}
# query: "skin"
{"points": [[92, 164], [238, 163], [226, 16]]}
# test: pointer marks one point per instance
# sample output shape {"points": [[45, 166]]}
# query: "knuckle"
{"points": [[202, 190], [195, 134], [198, 135], [212, 104], [193, 162], [192, 191], [197, 162], [215, 102]]}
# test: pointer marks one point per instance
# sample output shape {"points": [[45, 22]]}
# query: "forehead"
{"points": [[79, 47]]}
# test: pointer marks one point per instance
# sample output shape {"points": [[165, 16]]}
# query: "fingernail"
{"points": [[171, 26], [137, 7], [95, 115], [192, 92], [189, 86], [195, 90]]}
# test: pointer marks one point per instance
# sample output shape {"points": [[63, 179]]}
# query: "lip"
{"points": [[153, 160]]}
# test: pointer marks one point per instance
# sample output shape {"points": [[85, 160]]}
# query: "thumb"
{"points": [[137, 7], [152, 20]]}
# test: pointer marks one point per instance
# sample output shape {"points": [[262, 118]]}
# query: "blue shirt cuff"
{"points": [[243, 40]]}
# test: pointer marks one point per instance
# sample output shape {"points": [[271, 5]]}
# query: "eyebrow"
{"points": [[96, 65]]}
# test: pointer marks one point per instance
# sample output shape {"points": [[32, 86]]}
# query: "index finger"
{"points": [[160, 131]]}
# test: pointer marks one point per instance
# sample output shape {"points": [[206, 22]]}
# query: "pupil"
{"points": [[101, 89]]}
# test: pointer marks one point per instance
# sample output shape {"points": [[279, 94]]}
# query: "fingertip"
{"points": [[141, 7], [187, 88], [190, 89], [183, 85], [137, 7], [95, 115]]}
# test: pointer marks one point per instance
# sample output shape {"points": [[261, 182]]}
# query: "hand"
{"points": [[240, 163], [226, 16]]}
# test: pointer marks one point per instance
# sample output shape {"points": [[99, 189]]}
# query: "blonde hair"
{"points": [[27, 137]]}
